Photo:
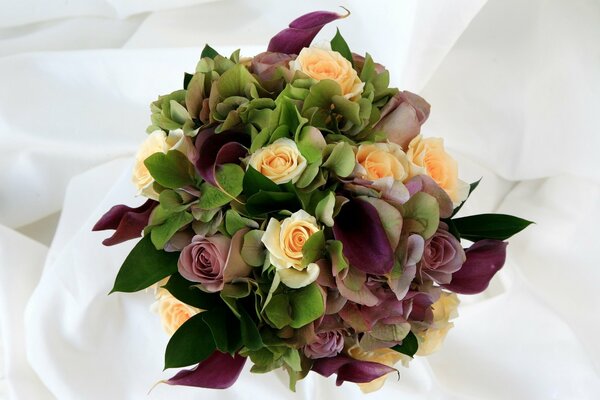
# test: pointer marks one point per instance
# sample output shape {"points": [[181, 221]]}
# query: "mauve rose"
{"points": [[329, 339], [213, 260], [443, 255], [271, 67], [402, 117]]}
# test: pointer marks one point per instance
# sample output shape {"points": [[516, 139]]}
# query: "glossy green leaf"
{"points": [[409, 345], [185, 291], [265, 202], [254, 181], [209, 52], [190, 344], [144, 266], [489, 226], [338, 43], [306, 304], [277, 311], [250, 335]]}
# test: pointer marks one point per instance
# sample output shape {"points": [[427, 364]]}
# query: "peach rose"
{"points": [[280, 161], [284, 241], [156, 142], [444, 310], [428, 157], [381, 160], [323, 64], [384, 356], [172, 312]]}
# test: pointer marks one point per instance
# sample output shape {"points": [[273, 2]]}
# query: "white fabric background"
{"points": [[514, 88]]}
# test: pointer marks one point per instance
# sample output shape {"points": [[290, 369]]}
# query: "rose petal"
{"points": [[484, 259], [219, 371], [216, 149], [366, 245], [128, 222], [349, 369], [301, 32], [402, 117]]}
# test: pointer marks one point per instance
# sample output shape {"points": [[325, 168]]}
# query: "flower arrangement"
{"points": [[296, 217]]}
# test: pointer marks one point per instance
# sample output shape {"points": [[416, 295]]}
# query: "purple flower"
{"points": [[402, 117], [329, 339], [127, 222], [213, 260], [443, 255]]}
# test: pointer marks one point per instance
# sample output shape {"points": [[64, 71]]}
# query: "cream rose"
{"points": [[156, 142], [284, 241], [381, 160], [444, 310], [382, 356], [323, 64], [280, 161], [172, 312], [428, 157]]}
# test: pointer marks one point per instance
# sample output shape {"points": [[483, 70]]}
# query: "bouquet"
{"points": [[297, 218]]}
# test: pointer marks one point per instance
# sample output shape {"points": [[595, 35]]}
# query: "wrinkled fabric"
{"points": [[513, 88]]}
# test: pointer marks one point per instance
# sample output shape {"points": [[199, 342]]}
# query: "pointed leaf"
{"points": [[190, 344]]}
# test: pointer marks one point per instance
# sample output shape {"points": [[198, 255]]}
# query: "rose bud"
{"points": [[213, 260], [402, 117], [443, 255]]}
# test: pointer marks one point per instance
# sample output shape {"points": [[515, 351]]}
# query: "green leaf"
{"points": [[306, 304], [250, 334], [171, 170], [178, 112], [339, 44], [292, 358], [186, 292], [338, 261], [320, 95], [217, 321], [409, 345], [265, 202], [161, 234], [190, 344], [186, 79], [209, 52], [311, 143], [313, 248], [254, 181], [489, 226], [472, 187], [144, 266]]}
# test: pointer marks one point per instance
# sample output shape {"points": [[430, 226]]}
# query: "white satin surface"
{"points": [[514, 88]]}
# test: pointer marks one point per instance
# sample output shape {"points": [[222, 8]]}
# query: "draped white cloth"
{"points": [[514, 88]]}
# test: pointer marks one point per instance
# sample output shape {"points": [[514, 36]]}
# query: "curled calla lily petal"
{"points": [[219, 371], [484, 259], [366, 245], [302, 31], [349, 369], [127, 222], [215, 149]]}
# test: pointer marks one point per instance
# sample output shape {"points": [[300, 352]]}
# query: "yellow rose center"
{"points": [[295, 237]]}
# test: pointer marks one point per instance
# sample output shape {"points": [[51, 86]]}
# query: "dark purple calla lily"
{"points": [[219, 371], [127, 222], [366, 245], [484, 259], [349, 369], [218, 148], [301, 32]]}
